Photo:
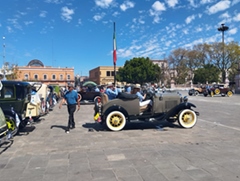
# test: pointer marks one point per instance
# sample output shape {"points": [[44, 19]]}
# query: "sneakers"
{"points": [[67, 131]]}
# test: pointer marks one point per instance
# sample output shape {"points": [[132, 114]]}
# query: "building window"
{"points": [[68, 77], [112, 73], [53, 77], [108, 73], [61, 77], [45, 77], [26, 77], [35, 77]]}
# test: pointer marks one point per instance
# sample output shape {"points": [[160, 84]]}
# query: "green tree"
{"points": [[209, 73], [139, 70], [11, 71], [227, 62]]}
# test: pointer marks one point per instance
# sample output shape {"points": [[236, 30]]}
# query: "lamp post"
{"points": [[223, 28], [4, 73]]}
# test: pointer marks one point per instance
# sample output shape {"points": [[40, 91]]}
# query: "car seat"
{"points": [[104, 98]]}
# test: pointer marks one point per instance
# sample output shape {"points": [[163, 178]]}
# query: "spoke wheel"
{"points": [[116, 121], [11, 124], [196, 93], [217, 91], [187, 118], [229, 93]]}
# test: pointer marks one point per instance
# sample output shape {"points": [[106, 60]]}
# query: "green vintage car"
{"points": [[14, 97], [3, 128]]}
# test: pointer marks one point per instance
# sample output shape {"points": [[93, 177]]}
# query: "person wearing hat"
{"points": [[128, 88], [142, 101], [111, 91], [71, 97]]}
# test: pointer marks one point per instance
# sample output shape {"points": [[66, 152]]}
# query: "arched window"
{"points": [[53, 77], [68, 77], [35, 76], [26, 77], [45, 77], [61, 77]]}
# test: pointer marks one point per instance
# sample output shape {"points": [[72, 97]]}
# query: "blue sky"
{"points": [[79, 33]]}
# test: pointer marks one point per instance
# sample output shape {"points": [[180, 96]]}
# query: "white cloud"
{"points": [[224, 15], [43, 14], [116, 14], [54, 1], [195, 42], [158, 6], [233, 31], [220, 6], [98, 17], [235, 2], [189, 19], [66, 14], [192, 3], [124, 53], [237, 17], [126, 5], [28, 22], [206, 1], [156, 10], [9, 29], [103, 3], [199, 29], [171, 3]]}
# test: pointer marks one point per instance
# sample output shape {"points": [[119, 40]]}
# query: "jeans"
{"points": [[71, 110]]}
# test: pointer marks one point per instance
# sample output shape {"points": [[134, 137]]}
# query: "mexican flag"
{"points": [[114, 46]]}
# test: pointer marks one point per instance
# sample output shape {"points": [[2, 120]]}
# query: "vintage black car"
{"points": [[14, 97], [89, 95], [167, 106]]}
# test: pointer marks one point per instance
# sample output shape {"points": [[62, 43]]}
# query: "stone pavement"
{"points": [[207, 152]]}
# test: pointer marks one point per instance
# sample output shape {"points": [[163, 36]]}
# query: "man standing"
{"points": [[71, 98]]}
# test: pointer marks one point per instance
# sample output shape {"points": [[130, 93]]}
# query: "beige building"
{"points": [[36, 71], [102, 74]]}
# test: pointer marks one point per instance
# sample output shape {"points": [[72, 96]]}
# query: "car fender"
{"points": [[8, 112], [174, 111], [115, 108]]}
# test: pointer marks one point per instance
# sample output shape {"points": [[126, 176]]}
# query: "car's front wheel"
{"points": [[229, 93], [115, 121], [187, 118]]}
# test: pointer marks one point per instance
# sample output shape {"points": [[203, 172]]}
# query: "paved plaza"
{"points": [[208, 152]]}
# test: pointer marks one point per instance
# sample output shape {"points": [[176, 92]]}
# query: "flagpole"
{"points": [[114, 53]]}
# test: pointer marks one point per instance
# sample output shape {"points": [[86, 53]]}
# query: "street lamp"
{"points": [[222, 29], [4, 73]]}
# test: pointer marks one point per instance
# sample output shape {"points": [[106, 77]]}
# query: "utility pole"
{"points": [[222, 29], [4, 71]]}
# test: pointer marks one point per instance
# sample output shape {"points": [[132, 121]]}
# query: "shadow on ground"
{"points": [[59, 126], [134, 125]]}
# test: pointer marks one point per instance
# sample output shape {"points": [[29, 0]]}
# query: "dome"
{"points": [[35, 62]]}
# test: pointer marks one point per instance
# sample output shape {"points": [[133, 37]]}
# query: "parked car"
{"points": [[88, 95], [168, 106], [14, 97], [37, 106], [196, 91], [4, 134], [219, 89]]}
